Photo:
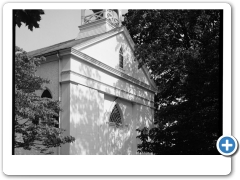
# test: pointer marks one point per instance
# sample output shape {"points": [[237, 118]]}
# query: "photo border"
{"points": [[102, 164]]}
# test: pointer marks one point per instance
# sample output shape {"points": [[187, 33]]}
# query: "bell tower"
{"points": [[100, 21]]}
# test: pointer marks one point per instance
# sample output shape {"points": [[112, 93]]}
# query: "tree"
{"points": [[35, 120], [181, 49], [29, 17]]}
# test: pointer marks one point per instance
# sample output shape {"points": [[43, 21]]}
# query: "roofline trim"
{"points": [[69, 72], [97, 39], [112, 70], [101, 65], [111, 33], [117, 31]]}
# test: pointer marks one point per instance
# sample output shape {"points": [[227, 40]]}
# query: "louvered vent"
{"points": [[115, 116], [121, 58]]}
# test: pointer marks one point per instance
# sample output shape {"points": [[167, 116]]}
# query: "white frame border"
{"points": [[100, 165]]}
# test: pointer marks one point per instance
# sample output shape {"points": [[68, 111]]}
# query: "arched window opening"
{"points": [[121, 58], [46, 94], [115, 116]]}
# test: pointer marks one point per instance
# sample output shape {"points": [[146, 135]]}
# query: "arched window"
{"points": [[121, 58], [115, 116], [46, 94]]}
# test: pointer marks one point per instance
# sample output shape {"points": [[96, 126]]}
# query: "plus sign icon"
{"points": [[227, 145]]}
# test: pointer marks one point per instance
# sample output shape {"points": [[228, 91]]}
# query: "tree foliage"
{"points": [[36, 118], [29, 17], [182, 52]]}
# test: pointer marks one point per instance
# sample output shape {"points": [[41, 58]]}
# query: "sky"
{"points": [[55, 26]]}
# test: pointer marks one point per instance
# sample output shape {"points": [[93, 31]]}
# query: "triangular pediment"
{"points": [[105, 48]]}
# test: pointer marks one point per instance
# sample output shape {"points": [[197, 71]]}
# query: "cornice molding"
{"points": [[128, 38], [112, 70], [118, 92], [119, 73], [97, 39]]}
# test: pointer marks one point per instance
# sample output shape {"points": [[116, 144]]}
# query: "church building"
{"points": [[103, 94]]}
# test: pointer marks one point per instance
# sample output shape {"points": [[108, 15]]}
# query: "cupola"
{"points": [[100, 21]]}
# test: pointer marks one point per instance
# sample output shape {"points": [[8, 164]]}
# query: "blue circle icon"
{"points": [[227, 145]]}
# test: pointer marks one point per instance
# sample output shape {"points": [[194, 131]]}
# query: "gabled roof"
{"points": [[76, 43], [64, 45]]}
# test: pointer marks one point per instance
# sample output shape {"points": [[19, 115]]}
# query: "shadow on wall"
{"points": [[142, 115], [118, 136], [86, 124], [89, 114], [130, 66]]}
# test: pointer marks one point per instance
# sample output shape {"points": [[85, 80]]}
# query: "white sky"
{"points": [[55, 26]]}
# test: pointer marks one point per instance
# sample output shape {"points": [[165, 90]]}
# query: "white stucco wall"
{"points": [[91, 76], [107, 51], [119, 139], [143, 117], [50, 71], [84, 120], [92, 92], [88, 93], [123, 140], [88, 116]]}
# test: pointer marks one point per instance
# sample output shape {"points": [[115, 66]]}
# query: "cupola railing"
{"points": [[108, 14]]}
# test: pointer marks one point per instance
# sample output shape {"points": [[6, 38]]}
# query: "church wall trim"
{"points": [[120, 30], [75, 50], [114, 91], [68, 77], [114, 32], [112, 70]]}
